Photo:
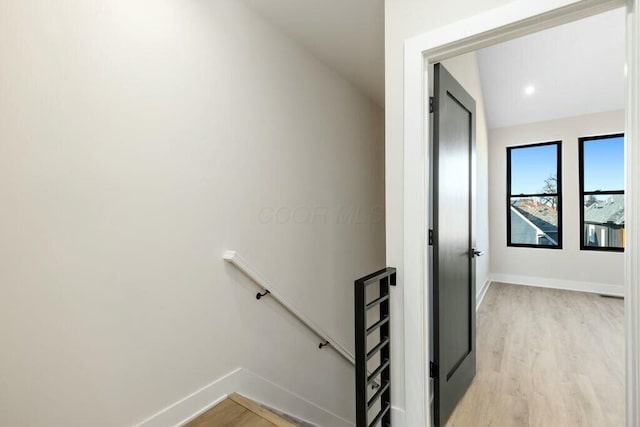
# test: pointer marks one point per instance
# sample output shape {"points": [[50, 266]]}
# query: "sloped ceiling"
{"points": [[575, 69], [347, 35]]}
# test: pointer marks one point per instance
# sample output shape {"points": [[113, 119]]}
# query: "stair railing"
{"points": [[233, 258], [373, 347]]}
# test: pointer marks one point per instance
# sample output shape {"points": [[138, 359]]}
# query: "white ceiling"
{"points": [[347, 35], [576, 69]]}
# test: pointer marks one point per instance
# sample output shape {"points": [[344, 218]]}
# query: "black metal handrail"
{"points": [[372, 348]]}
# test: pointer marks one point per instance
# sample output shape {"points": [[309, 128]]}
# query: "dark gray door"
{"points": [[454, 293]]}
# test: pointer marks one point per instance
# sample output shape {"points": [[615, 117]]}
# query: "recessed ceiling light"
{"points": [[529, 90]]}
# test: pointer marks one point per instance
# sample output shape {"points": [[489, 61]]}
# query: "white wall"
{"points": [[138, 141], [405, 19], [569, 266]]}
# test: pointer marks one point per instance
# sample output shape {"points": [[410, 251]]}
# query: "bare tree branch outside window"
{"points": [[550, 187]]}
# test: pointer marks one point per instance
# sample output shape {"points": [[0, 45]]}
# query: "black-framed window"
{"points": [[602, 193], [534, 195]]}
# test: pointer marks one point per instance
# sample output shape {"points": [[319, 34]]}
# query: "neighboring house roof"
{"points": [[542, 216], [610, 210], [521, 227]]}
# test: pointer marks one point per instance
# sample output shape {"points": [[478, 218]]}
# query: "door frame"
{"points": [[503, 23]]}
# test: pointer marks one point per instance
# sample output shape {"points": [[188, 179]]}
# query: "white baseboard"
{"points": [[482, 293], [254, 387], [195, 403], [569, 285]]}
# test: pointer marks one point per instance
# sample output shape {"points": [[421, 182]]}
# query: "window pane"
{"points": [[604, 164], [534, 169], [534, 221], [604, 221]]}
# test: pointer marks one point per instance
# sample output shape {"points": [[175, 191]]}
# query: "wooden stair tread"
{"points": [[260, 411], [238, 411]]}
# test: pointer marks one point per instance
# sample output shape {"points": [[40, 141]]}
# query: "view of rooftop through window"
{"points": [[534, 203], [602, 192]]}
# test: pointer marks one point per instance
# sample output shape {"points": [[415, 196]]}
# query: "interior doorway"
{"points": [[504, 24], [558, 149]]}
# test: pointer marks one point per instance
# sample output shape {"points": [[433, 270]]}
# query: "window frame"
{"points": [[583, 193], [558, 194]]}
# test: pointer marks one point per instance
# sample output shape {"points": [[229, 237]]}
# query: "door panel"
{"points": [[454, 272]]}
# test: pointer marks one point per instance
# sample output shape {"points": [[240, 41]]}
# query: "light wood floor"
{"points": [[546, 358], [238, 411]]}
